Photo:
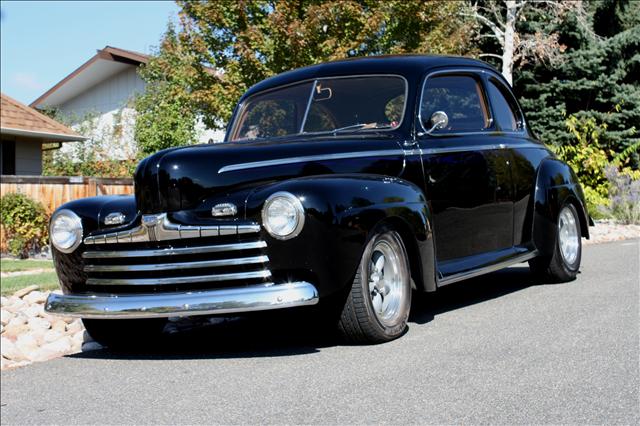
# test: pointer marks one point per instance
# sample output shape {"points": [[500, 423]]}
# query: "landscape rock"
{"points": [[35, 297], [34, 310], [26, 343], [9, 350], [36, 323], [16, 305], [12, 331], [5, 317], [3, 301], [58, 325], [75, 327], [24, 291], [52, 335]]}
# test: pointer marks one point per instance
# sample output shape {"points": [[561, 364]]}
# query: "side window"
{"points": [[503, 107], [460, 97]]}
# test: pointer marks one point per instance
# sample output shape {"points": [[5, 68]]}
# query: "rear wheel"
{"points": [[377, 307], [123, 333], [564, 263]]}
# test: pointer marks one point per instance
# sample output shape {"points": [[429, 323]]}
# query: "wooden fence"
{"points": [[53, 191]]}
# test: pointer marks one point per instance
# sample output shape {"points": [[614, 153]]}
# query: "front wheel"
{"points": [[564, 263], [377, 307]]}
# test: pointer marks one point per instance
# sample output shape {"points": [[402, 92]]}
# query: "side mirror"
{"points": [[439, 120]]}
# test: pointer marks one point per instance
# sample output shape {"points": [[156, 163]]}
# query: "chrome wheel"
{"points": [[568, 236], [387, 280]]}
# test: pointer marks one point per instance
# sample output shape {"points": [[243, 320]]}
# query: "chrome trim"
{"points": [[487, 269], [180, 280], [364, 154], [307, 158], [173, 251], [306, 111], [224, 209], [179, 265], [161, 305], [114, 218], [158, 227], [297, 205]]}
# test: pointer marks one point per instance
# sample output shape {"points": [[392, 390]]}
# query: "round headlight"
{"points": [[283, 215], [65, 231]]}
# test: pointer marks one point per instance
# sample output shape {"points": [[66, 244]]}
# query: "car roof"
{"points": [[408, 66]]}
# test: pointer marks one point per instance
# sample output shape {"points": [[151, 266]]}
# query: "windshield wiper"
{"points": [[361, 126]]}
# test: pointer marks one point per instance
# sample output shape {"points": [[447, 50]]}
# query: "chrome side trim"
{"points": [[364, 154], [161, 305], [158, 227], [180, 280], [487, 269], [174, 251], [308, 158], [179, 265]]}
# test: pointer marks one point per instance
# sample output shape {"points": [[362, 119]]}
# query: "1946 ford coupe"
{"points": [[346, 184]]}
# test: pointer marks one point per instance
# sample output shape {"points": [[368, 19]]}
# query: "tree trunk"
{"points": [[509, 39]]}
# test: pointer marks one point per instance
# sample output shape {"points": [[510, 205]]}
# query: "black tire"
{"points": [[359, 322], [556, 268], [125, 333]]}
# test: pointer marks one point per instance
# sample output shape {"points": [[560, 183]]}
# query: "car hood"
{"points": [[183, 178]]}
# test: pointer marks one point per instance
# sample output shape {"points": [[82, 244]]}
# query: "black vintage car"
{"points": [[346, 185]]}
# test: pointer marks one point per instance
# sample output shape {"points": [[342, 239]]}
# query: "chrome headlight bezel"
{"points": [[297, 208], [74, 229]]}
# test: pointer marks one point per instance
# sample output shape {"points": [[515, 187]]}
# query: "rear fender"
{"points": [[556, 185]]}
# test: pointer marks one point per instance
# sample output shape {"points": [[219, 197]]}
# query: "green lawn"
{"points": [[11, 265], [44, 280]]}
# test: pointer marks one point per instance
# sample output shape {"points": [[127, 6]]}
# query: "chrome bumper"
{"points": [[157, 305]]}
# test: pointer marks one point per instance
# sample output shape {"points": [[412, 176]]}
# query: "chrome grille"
{"points": [[174, 263]]}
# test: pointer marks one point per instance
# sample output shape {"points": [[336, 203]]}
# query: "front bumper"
{"points": [[158, 305]]}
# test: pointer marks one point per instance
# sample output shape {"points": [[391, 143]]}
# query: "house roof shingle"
{"points": [[19, 119]]}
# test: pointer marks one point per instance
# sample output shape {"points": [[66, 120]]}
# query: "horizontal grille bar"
{"points": [[179, 280], [174, 251], [178, 265], [158, 227]]}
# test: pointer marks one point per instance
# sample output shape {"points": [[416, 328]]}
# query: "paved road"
{"points": [[498, 349]]}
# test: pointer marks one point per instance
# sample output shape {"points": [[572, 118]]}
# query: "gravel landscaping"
{"points": [[31, 335], [28, 334]]}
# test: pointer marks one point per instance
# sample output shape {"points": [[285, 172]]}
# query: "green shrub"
{"points": [[24, 222], [587, 158], [600, 172]]}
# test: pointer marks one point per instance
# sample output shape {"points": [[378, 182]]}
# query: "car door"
{"points": [[467, 175], [524, 154]]}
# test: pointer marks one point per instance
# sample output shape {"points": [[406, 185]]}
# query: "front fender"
{"points": [[342, 212], [69, 267], [556, 185]]}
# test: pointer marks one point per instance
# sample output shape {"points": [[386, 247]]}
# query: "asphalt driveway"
{"points": [[498, 349]]}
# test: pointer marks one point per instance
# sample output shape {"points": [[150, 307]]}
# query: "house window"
{"points": [[8, 157]]}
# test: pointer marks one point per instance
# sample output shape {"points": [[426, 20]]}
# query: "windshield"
{"points": [[329, 105]]}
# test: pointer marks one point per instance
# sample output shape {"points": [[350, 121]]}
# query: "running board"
{"points": [[486, 269]]}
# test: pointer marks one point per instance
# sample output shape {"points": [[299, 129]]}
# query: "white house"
{"points": [[102, 89]]}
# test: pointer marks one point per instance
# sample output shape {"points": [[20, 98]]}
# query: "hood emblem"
{"points": [[115, 218], [224, 209]]}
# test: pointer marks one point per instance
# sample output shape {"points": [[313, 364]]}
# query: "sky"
{"points": [[43, 42]]}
